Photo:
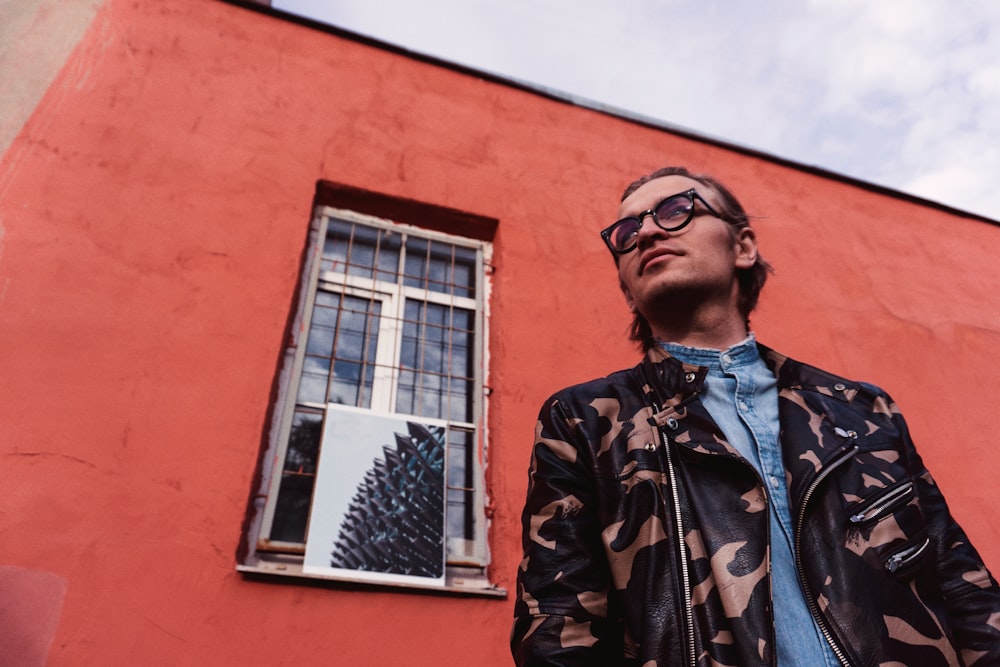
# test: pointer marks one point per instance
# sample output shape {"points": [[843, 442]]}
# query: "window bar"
{"points": [[451, 484], [341, 306], [422, 329], [369, 321], [398, 315], [450, 330]]}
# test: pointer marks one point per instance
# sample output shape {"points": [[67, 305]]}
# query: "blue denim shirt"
{"points": [[741, 394]]}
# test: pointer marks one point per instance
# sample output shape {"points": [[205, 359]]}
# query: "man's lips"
{"points": [[654, 254]]}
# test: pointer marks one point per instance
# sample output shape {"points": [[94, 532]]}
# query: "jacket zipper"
{"points": [[883, 504], [906, 556], [685, 574], [852, 436]]}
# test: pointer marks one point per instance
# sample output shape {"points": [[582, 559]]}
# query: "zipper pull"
{"points": [[906, 556], [894, 562], [847, 435], [880, 506]]}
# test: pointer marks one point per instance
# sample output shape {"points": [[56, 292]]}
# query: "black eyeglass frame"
{"points": [[690, 195]]}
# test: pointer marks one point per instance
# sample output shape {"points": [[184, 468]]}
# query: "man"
{"points": [[720, 504]]}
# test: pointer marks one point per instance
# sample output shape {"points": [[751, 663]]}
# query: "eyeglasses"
{"points": [[670, 215]]}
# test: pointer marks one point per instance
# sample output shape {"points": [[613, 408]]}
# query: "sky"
{"points": [[900, 93]]}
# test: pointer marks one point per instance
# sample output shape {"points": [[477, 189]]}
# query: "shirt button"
{"points": [[689, 377], [774, 482], [726, 359], [743, 405]]}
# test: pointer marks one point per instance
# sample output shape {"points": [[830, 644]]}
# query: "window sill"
{"points": [[466, 583]]}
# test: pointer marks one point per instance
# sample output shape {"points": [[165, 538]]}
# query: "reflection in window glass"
{"points": [[297, 478], [435, 373], [358, 250], [440, 267], [415, 272], [408, 302], [461, 508], [343, 335], [464, 272]]}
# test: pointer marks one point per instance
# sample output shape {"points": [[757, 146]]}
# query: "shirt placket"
{"points": [[768, 454]]}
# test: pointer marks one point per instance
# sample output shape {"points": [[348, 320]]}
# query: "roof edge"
{"points": [[264, 6]]}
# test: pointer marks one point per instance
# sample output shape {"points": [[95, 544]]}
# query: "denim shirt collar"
{"points": [[744, 352]]}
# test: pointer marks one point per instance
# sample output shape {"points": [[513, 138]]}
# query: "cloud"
{"points": [[899, 93], [919, 83]]}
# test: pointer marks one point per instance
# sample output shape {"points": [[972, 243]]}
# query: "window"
{"points": [[373, 470]]}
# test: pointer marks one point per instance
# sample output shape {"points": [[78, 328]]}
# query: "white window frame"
{"points": [[264, 556]]}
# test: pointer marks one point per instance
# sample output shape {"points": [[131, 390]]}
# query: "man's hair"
{"points": [[751, 280]]}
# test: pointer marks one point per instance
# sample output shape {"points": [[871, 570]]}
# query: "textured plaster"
{"points": [[36, 38]]}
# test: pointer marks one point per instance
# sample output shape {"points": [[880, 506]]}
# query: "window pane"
{"points": [[461, 500], [409, 351], [325, 310], [320, 340], [461, 514], [415, 272], [351, 344], [430, 382], [346, 383], [439, 269], [338, 236], [460, 459], [361, 251], [459, 361], [462, 320], [437, 380], [312, 388], [436, 316], [464, 279], [405, 393], [432, 351], [303, 443], [428, 401], [361, 256], [387, 261], [295, 492], [359, 328], [460, 401]]}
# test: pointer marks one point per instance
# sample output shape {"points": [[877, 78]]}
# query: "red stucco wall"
{"points": [[152, 214]]}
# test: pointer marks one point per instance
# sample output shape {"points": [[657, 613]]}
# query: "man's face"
{"points": [[698, 262]]}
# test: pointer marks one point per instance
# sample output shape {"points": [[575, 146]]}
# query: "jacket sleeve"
{"points": [[561, 613], [970, 593]]}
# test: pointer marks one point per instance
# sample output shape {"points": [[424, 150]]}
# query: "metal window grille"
{"points": [[392, 321]]}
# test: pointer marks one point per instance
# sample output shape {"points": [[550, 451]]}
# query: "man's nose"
{"points": [[649, 231]]}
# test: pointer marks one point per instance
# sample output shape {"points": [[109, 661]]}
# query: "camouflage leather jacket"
{"points": [[646, 534]]}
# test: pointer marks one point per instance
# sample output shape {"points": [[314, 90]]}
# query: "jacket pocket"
{"points": [[882, 504], [891, 524], [904, 561]]}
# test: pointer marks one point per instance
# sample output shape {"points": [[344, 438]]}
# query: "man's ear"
{"points": [[746, 247]]}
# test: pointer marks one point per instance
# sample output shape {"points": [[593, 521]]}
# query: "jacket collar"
{"points": [[669, 382], [671, 389]]}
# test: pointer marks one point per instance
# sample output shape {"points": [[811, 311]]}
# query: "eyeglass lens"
{"points": [[670, 214]]}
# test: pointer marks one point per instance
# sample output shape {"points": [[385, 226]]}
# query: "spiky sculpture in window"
{"points": [[395, 522]]}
